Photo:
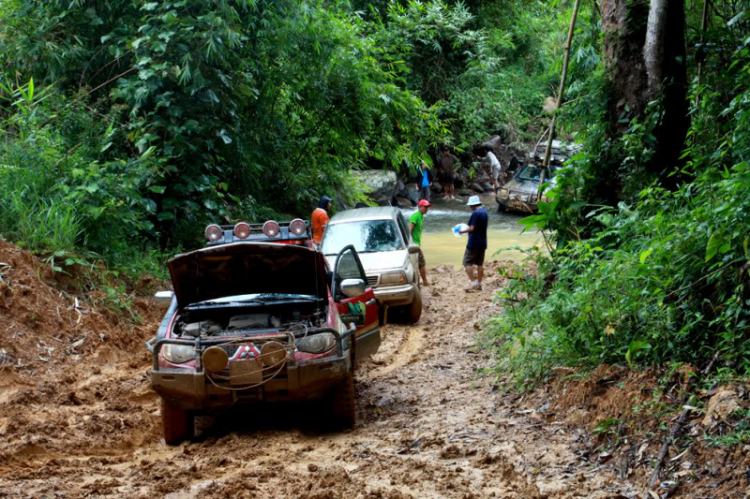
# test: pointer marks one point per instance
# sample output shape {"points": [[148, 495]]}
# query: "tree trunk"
{"points": [[653, 49], [624, 28], [644, 46], [665, 56]]}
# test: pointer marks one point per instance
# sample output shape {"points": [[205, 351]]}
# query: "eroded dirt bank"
{"points": [[80, 420]]}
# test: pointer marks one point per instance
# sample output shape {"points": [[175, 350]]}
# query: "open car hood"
{"points": [[247, 268]]}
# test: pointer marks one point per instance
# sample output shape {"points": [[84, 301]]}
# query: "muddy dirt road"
{"points": [[84, 423]]}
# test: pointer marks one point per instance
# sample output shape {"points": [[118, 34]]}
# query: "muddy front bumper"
{"points": [[519, 203], [198, 390], [394, 296]]}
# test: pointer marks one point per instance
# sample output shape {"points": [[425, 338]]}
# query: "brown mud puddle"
{"points": [[84, 422]]}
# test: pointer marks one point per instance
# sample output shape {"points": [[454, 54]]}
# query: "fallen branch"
{"points": [[678, 425]]}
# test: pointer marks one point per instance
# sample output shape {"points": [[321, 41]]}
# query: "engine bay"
{"points": [[241, 321]]}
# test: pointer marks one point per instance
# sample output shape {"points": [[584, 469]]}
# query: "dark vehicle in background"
{"points": [[522, 191], [257, 316], [390, 258]]}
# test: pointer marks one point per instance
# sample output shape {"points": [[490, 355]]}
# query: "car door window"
{"points": [[402, 228], [348, 266]]}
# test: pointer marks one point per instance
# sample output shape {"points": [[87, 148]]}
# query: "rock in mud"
{"points": [[722, 404]]}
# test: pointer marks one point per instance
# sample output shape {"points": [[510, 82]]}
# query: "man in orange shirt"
{"points": [[319, 218]]}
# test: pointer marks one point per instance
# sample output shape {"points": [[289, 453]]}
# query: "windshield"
{"points": [[533, 172], [367, 236]]}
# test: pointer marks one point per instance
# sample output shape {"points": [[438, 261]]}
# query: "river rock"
{"points": [[476, 187], [437, 188], [493, 143], [381, 185]]}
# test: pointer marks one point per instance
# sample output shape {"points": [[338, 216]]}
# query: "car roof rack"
{"points": [[284, 235]]}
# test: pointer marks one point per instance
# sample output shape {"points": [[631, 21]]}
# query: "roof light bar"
{"points": [[297, 227], [213, 233], [242, 230], [271, 229]]}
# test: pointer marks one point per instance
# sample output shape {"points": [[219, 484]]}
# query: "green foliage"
{"points": [[132, 124], [736, 434], [484, 67], [662, 278]]}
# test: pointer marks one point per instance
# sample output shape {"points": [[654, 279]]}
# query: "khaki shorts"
{"points": [[473, 256], [422, 263]]}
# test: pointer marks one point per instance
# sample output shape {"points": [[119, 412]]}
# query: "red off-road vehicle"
{"points": [[257, 316]]}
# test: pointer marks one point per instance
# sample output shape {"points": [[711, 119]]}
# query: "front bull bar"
{"points": [[154, 346]]}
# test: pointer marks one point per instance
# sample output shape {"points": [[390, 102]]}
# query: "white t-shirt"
{"points": [[495, 164]]}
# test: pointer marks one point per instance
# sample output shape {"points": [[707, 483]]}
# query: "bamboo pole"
{"points": [[703, 34], [561, 89]]}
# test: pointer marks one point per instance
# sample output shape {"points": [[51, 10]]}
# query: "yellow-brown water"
{"points": [[443, 248]]}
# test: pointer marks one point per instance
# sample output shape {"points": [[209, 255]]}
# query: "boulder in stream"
{"points": [[381, 185], [477, 187]]}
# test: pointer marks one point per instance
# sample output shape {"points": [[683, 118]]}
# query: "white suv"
{"points": [[389, 257]]}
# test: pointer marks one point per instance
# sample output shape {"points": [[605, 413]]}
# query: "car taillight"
{"points": [[271, 229], [242, 230], [213, 232], [297, 227]]}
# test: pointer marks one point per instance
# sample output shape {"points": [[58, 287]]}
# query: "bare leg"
{"points": [[480, 273], [423, 273], [470, 272]]}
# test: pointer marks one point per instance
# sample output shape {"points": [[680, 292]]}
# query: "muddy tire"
{"points": [[342, 403], [414, 311], [178, 423]]}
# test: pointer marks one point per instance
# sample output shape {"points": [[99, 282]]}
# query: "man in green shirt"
{"points": [[415, 228]]}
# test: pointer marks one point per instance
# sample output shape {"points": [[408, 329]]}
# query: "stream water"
{"points": [[441, 247]]}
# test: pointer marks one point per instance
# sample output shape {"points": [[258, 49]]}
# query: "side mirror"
{"points": [[414, 249], [162, 299], [352, 287]]}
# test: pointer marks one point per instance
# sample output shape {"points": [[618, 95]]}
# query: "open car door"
{"points": [[356, 302]]}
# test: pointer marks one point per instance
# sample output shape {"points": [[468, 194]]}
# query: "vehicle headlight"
{"points": [[503, 193], [317, 343], [272, 354], [393, 278], [178, 354]]}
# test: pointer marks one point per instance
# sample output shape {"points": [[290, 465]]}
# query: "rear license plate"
{"points": [[246, 372]]}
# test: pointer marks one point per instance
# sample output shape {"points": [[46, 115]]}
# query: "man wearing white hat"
{"points": [[477, 244]]}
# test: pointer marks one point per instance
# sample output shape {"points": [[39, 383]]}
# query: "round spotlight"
{"points": [[215, 359], [271, 229], [242, 230], [272, 354], [213, 232], [297, 227]]}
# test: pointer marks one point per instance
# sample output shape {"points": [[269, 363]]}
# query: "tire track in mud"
{"points": [[428, 426], [406, 351]]}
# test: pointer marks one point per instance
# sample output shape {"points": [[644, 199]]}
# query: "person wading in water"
{"points": [[447, 173], [423, 181]]}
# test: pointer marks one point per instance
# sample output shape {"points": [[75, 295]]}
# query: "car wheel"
{"points": [[415, 309], [178, 423], [342, 403]]}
